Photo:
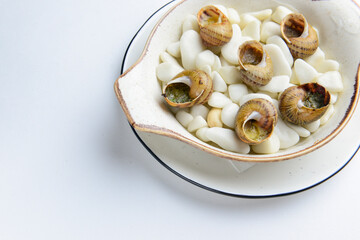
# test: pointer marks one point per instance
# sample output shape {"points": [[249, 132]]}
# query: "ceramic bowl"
{"points": [[139, 92]]}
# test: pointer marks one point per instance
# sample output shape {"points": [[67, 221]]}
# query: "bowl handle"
{"points": [[139, 94], [124, 88]]}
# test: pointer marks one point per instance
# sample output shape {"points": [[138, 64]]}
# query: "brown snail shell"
{"points": [[300, 36], [255, 63], [188, 88], [304, 104], [215, 27], [256, 120]]}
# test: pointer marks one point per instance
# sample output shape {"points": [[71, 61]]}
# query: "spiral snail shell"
{"points": [[188, 88], [255, 121], [215, 27], [304, 104], [300, 36], [256, 67]]}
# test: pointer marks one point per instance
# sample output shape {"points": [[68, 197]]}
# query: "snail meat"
{"points": [[178, 93], [256, 66], [304, 104], [255, 121], [215, 27], [300, 36], [188, 88]]}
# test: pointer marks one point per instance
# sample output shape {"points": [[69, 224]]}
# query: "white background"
{"points": [[71, 168]]}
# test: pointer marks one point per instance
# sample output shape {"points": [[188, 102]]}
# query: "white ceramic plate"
{"points": [[228, 177]]}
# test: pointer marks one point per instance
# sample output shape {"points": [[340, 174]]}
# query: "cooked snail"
{"points": [[256, 120], [304, 104], [188, 88], [255, 64], [215, 27], [300, 36]]}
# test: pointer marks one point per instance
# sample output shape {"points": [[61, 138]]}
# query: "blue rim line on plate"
{"points": [[199, 184]]}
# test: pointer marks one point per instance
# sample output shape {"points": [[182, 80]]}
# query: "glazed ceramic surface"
{"points": [[139, 92]]}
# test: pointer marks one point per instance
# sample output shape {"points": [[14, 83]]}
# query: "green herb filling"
{"points": [[314, 100], [178, 93]]}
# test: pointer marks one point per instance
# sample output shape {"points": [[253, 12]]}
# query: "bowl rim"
{"points": [[221, 153]]}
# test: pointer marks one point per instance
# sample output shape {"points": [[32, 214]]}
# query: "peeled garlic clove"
{"points": [[167, 71], [327, 66], [276, 84], [227, 139], [271, 145], [269, 29], [190, 47], [197, 123], [283, 47], [215, 27], [245, 19], [201, 134], [256, 67], [166, 57], [262, 15], [332, 81], [279, 61], [199, 110], [303, 132], [190, 23], [217, 64], [315, 59], [207, 69], [304, 104], [287, 136], [312, 127], [293, 79], [233, 16], [237, 91], [188, 88], [251, 96], [218, 100], [184, 118], [214, 118], [329, 112], [230, 74], [300, 36], [279, 14], [174, 49], [218, 82], [255, 121], [236, 34], [273, 95], [228, 114], [252, 30], [205, 58], [229, 51], [305, 73], [224, 62]]}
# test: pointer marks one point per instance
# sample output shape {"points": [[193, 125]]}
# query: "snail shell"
{"points": [[188, 88], [304, 104], [256, 67], [256, 120], [300, 36], [215, 27]]}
